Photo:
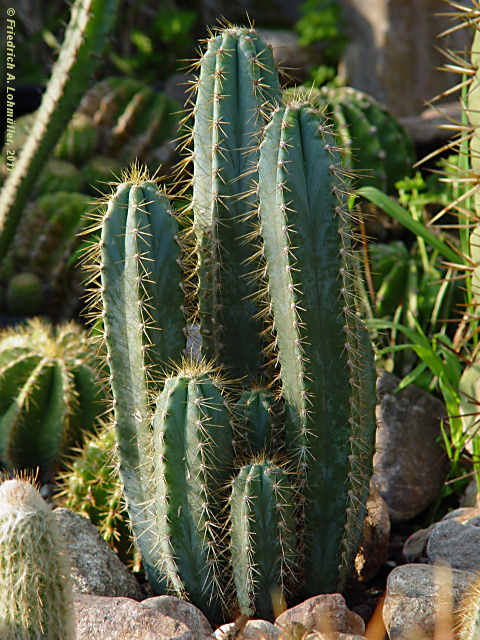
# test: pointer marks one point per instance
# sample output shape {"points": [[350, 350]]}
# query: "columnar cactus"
{"points": [[35, 584], [139, 265], [178, 451], [85, 38], [327, 372], [49, 393], [237, 83], [259, 415]]}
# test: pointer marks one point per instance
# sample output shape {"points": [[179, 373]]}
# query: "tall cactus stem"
{"points": [[322, 351], [138, 261]]}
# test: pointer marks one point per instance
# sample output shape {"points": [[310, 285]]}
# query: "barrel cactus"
{"points": [[49, 393], [35, 583], [90, 485], [374, 144]]}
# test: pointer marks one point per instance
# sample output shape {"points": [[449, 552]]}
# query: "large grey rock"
{"points": [[410, 464], [456, 544], [412, 599], [95, 567], [393, 50], [183, 611], [323, 613], [124, 619], [253, 630]]}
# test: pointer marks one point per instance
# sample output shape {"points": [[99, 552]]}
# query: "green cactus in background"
{"points": [[262, 534], [237, 84], [35, 584], [373, 142], [85, 38], [91, 486], [79, 140], [99, 172], [44, 242], [131, 119], [25, 294], [327, 372], [59, 175], [49, 393]]}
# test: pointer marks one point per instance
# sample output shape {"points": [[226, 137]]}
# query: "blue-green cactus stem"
{"points": [[139, 265], [193, 461], [322, 356], [237, 83], [85, 38], [262, 532]]}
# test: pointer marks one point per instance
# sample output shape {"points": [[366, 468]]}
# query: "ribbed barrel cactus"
{"points": [[49, 393], [327, 373], [35, 583], [374, 144]]}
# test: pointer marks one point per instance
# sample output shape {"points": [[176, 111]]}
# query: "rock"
{"points": [[415, 546], [470, 496], [455, 543], [323, 613], [392, 51], [335, 635], [410, 465], [411, 599], [96, 569], [124, 619], [373, 551], [183, 611], [253, 630], [424, 128]]}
